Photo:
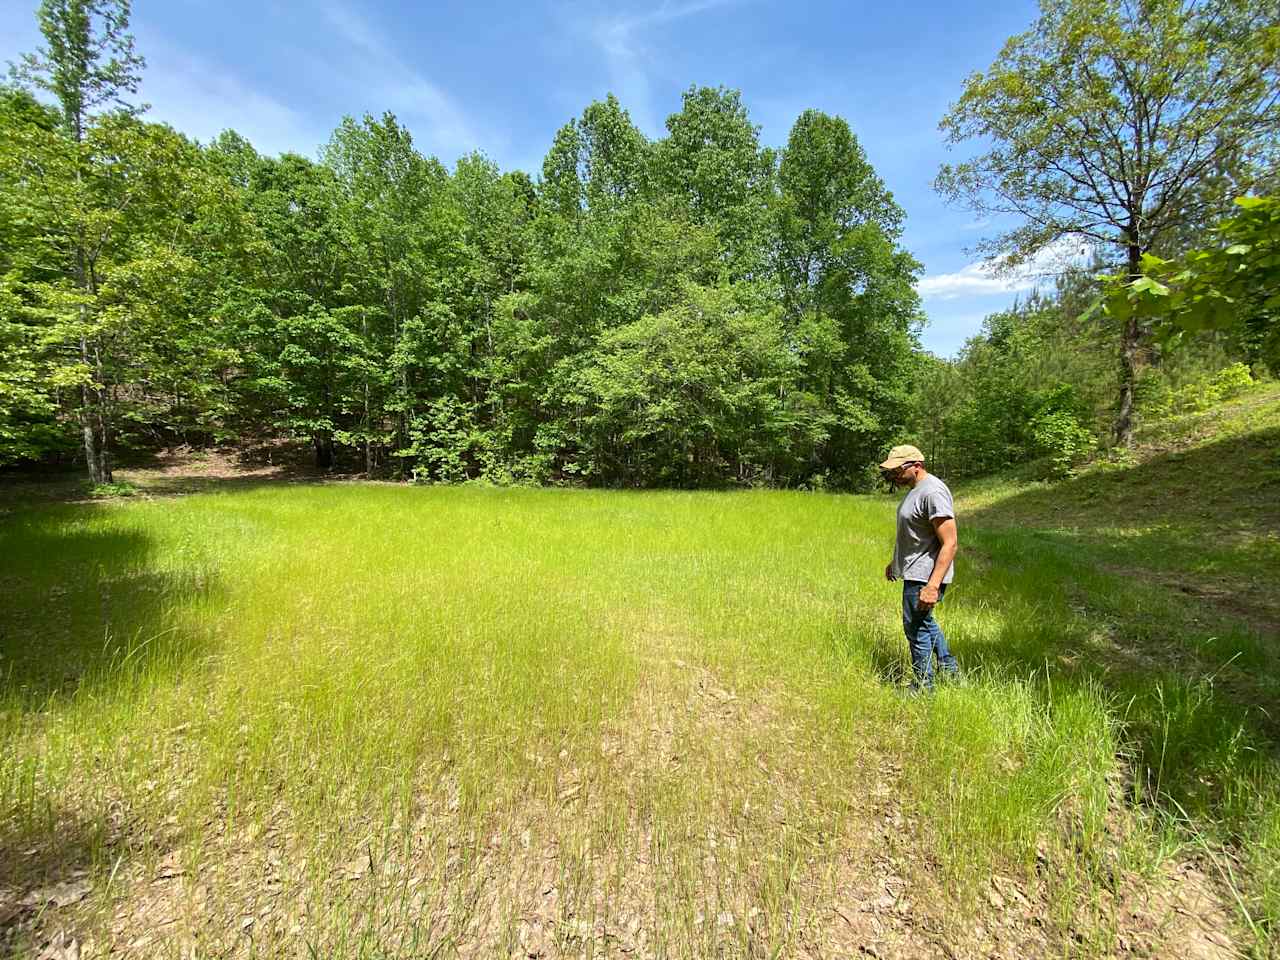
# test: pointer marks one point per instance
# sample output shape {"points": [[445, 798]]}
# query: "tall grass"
{"points": [[378, 721]]}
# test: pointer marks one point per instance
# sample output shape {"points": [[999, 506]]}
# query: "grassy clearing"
{"points": [[366, 720]]}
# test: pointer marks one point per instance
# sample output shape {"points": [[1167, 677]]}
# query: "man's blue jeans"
{"points": [[924, 636]]}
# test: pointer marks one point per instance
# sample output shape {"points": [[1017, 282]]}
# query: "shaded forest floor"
{"points": [[365, 720], [178, 471]]}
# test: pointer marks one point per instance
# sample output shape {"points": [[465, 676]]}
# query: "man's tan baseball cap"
{"points": [[899, 455]]}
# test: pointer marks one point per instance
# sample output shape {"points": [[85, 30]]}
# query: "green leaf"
{"points": [[1147, 285]]}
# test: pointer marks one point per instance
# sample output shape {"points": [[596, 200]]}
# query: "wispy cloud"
{"points": [[630, 59], [988, 277], [202, 98], [372, 65], [624, 24], [975, 279], [196, 94]]}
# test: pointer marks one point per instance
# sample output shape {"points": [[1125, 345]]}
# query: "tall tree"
{"points": [[29, 401], [297, 322], [403, 229], [712, 162], [89, 63], [599, 160], [497, 210], [849, 290], [1109, 120], [129, 338]]}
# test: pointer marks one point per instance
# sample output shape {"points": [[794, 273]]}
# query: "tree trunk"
{"points": [[92, 416], [1128, 380], [368, 420], [324, 450], [90, 419], [1128, 363], [87, 426], [104, 435]]}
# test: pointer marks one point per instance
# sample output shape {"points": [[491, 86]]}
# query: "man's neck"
{"points": [[920, 474]]}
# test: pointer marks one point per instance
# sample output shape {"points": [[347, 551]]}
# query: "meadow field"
{"points": [[372, 720]]}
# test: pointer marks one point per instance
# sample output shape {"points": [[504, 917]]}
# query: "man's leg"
{"points": [[946, 662], [919, 637]]}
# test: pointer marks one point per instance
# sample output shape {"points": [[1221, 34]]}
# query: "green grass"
{"points": [[1169, 565], [370, 720]]}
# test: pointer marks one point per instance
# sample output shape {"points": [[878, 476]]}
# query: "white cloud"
{"points": [[975, 279], [629, 59], [387, 82], [202, 99], [987, 277]]}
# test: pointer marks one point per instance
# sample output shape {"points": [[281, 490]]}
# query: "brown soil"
{"points": [[527, 881]]}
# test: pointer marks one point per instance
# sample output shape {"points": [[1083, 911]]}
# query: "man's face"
{"points": [[899, 476]]}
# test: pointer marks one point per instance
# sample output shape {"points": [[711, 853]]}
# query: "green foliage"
{"points": [[711, 164], [1158, 399], [120, 233], [104, 304], [1030, 392], [446, 443], [80, 34], [696, 310], [1059, 437], [1230, 382], [1119, 124], [1230, 286], [1035, 391], [1069, 105], [112, 490], [693, 396]]}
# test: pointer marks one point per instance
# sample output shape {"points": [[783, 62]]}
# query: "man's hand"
{"points": [[928, 597], [888, 572]]}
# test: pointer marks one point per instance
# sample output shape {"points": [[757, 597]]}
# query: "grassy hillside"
{"points": [[363, 720], [1196, 507], [1169, 560]]}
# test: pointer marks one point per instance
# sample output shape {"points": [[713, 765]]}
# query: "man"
{"points": [[923, 556]]}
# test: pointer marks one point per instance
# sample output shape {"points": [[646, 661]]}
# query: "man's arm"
{"points": [[945, 527]]}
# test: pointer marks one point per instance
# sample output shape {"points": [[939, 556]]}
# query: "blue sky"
{"points": [[502, 77]]}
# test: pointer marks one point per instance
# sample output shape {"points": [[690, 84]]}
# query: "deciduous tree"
{"points": [[89, 62], [1106, 120]]}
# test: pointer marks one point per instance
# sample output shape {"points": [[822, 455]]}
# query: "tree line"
{"points": [[695, 310]]}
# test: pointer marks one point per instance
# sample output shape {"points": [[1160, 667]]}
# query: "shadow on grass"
{"points": [[1155, 585], [89, 615], [888, 663], [1172, 565], [173, 472], [1203, 522], [48, 869], [86, 605]]}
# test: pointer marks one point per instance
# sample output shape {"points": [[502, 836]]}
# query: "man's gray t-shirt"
{"points": [[917, 545]]}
